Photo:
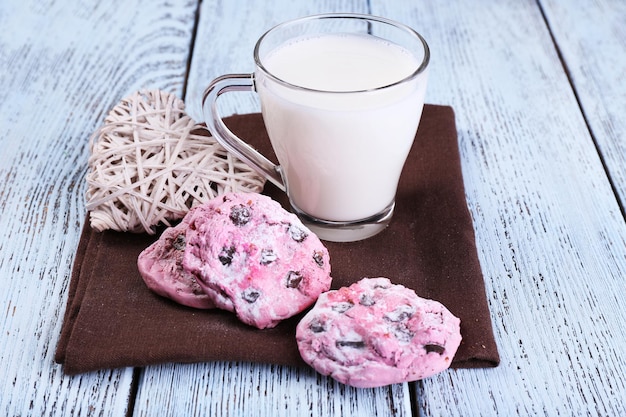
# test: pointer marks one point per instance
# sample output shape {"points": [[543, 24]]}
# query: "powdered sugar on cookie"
{"points": [[256, 259], [375, 333]]}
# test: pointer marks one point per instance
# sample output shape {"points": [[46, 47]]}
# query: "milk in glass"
{"points": [[341, 138]]}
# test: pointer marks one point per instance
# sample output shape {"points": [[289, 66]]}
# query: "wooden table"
{"points": [[539, 90]]}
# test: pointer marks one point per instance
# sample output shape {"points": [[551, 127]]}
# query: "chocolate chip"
{"points": [[317, 326], [342, 307], [297, 233], [293, 279], [402, 333], [250, 295], [367, 300], [179, 242], [355, 344], [435, 348], [318, 257], [226, 255], [240, 215], [401, 313], [268, 256]]}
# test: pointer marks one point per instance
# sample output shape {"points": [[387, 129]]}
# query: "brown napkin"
{"points": [[112, 320]]}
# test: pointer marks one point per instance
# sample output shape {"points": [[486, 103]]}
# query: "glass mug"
{"points": [[341, 97]]}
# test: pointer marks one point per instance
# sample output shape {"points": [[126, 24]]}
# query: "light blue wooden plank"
{"points": [[591, 37], [63, 65], [550, 235], [244, 389]]}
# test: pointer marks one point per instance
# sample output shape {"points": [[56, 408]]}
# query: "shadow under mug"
{"points": [[341, 97]]}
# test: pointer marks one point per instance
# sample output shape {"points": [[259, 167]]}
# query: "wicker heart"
{"points": [[149, 165]]}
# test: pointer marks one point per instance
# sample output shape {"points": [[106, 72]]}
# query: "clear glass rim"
{"points": [[407, 29]]}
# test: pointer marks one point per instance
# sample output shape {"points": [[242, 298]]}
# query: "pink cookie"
{"points": [[375, 333], [160, 266], [254, 258]]}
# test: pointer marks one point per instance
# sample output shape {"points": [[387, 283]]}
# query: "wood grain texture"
{"points": [[550, 235], [591, 38], [63, 65], [243, 389]]}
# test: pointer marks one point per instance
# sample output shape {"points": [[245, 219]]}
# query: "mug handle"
{"points": [[226, 138]]}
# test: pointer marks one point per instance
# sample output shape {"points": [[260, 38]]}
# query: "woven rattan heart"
{"points": [[149, 165]]}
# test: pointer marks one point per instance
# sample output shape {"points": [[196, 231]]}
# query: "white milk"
{"points": [[341, 153]]}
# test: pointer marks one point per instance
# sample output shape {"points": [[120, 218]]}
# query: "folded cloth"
{"points": [[113, 320]]}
